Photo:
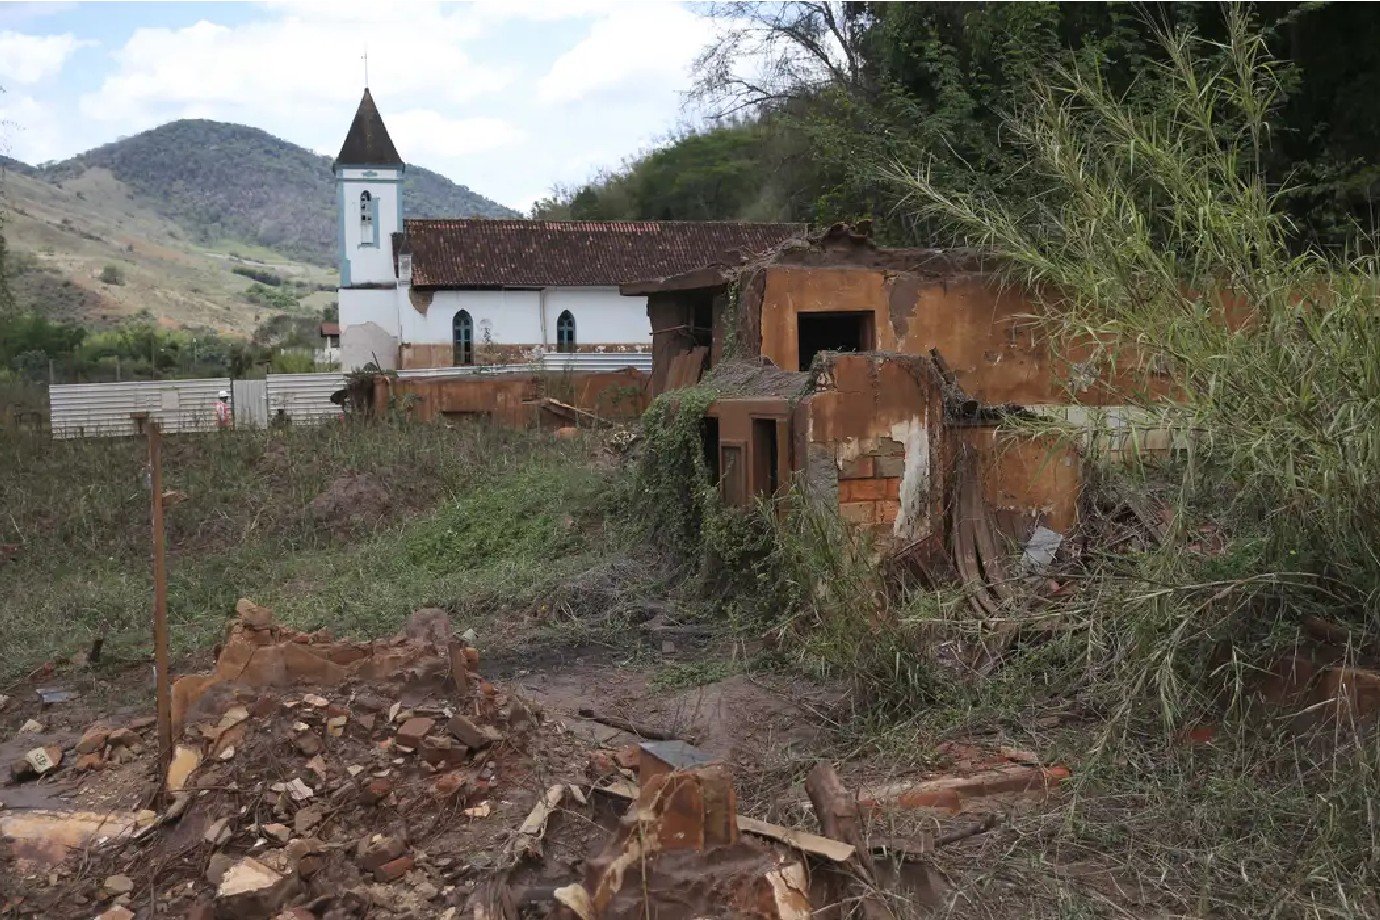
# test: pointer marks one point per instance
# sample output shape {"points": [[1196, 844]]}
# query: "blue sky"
{"points": [[509, 97]]}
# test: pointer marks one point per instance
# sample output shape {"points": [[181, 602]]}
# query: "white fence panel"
{"points": [[90, 410], [304, 398], [250, 400]]}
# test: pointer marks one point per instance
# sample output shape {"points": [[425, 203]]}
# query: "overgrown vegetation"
{"points": [[503, 528], [1157, 213], [140, 349], [819, 98]]}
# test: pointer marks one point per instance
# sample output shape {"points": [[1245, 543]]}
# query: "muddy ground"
{"points": [[315, 794]]}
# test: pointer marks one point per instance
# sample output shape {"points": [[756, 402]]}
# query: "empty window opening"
{"points": [[832, 332], [765, 457], [565, 332], [366, 218], [709, 446], [702, 322], [462, 331]]}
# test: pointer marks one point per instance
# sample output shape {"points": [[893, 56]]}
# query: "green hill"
{"points": [[226, 182]]}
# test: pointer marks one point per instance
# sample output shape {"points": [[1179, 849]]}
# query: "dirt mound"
{"points": [[351, 501], [314, 779]]}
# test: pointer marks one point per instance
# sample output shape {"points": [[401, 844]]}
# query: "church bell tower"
{"points": [[368, 178]]}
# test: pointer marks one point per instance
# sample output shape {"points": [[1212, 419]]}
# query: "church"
{"points": [[475, 291]]}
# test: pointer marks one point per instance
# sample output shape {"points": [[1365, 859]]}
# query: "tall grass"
{"points": [[481, 520], [1160, 257], [1155, 245]]}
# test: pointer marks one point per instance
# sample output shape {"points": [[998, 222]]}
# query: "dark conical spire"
{"points": [[368, 143]]}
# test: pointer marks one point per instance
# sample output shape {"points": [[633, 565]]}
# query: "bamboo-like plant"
{"points": [[1156, 248]]}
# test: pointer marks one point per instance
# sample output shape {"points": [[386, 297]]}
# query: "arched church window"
{"points": [[366, 217], [565, 332], [462, 333]]}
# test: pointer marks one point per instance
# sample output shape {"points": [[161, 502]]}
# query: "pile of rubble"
{"points": [[312, 778], [327, 777]]}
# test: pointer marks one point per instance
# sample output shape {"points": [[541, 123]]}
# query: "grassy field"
{"points": [[502, 528]]}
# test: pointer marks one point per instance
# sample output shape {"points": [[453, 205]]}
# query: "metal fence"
{"points": [[91, 410], [103, 410], [305, 399]]}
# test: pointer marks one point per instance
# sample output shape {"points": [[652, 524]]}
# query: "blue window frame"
{"points": [[462, 335], [565, 332]]}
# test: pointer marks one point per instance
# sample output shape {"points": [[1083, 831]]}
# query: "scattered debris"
{"points": [[1041, 548], [632, 728], [52, 696]]}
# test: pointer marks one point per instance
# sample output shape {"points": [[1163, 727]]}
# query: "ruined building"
{"points": [[879, 379]]}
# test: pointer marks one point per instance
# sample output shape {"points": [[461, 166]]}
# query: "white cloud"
{"points": [[426, 134], [27, 59], [287, 68], [654, 42], [29, 131]]}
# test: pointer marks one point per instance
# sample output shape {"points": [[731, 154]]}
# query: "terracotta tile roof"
{"points": [[532, 253], [368, 143], [330, 329]]}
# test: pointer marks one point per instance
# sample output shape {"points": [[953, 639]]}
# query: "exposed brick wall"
{"points": [[870, 485]]}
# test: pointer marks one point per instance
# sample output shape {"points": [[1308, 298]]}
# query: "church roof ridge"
{"points": [[368, 143]]}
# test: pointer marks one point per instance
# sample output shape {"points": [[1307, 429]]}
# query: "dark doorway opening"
{"points": [[832, 332], [709, 445], [764, 457]]}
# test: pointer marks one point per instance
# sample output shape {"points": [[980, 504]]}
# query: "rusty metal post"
{"points": [[160, 597]]}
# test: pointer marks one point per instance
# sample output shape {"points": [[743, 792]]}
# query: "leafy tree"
{"points": [[112, 274]]}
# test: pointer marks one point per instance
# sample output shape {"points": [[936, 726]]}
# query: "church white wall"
{"points": [[602, 317], [509, 317], [370, 306], [365, 342]]}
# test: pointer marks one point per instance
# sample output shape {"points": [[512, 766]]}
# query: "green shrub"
{"points": [[112, 274]]}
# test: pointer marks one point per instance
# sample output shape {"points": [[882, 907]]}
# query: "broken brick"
{"points": [[92, 740], [449, 784], [251, 889], [376, 790], [253, 615], [376, 851], [442, 752], [471, 735], [601, 764], [91, 761], [394, 870], [412, 732], [629, 756]]}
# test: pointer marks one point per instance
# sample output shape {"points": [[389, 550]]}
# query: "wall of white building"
{"points": [[602, 317], [367, 251]]}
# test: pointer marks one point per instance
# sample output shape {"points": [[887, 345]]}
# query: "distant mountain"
{"points": [[228, 182], [9, 164]]}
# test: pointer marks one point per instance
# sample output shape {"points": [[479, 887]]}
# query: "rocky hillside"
{"points": [[231, 183]]}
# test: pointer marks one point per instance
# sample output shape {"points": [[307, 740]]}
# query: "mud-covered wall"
{"points": [[1033, 480], [511, 399], [878, 421], [980, 327]]}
